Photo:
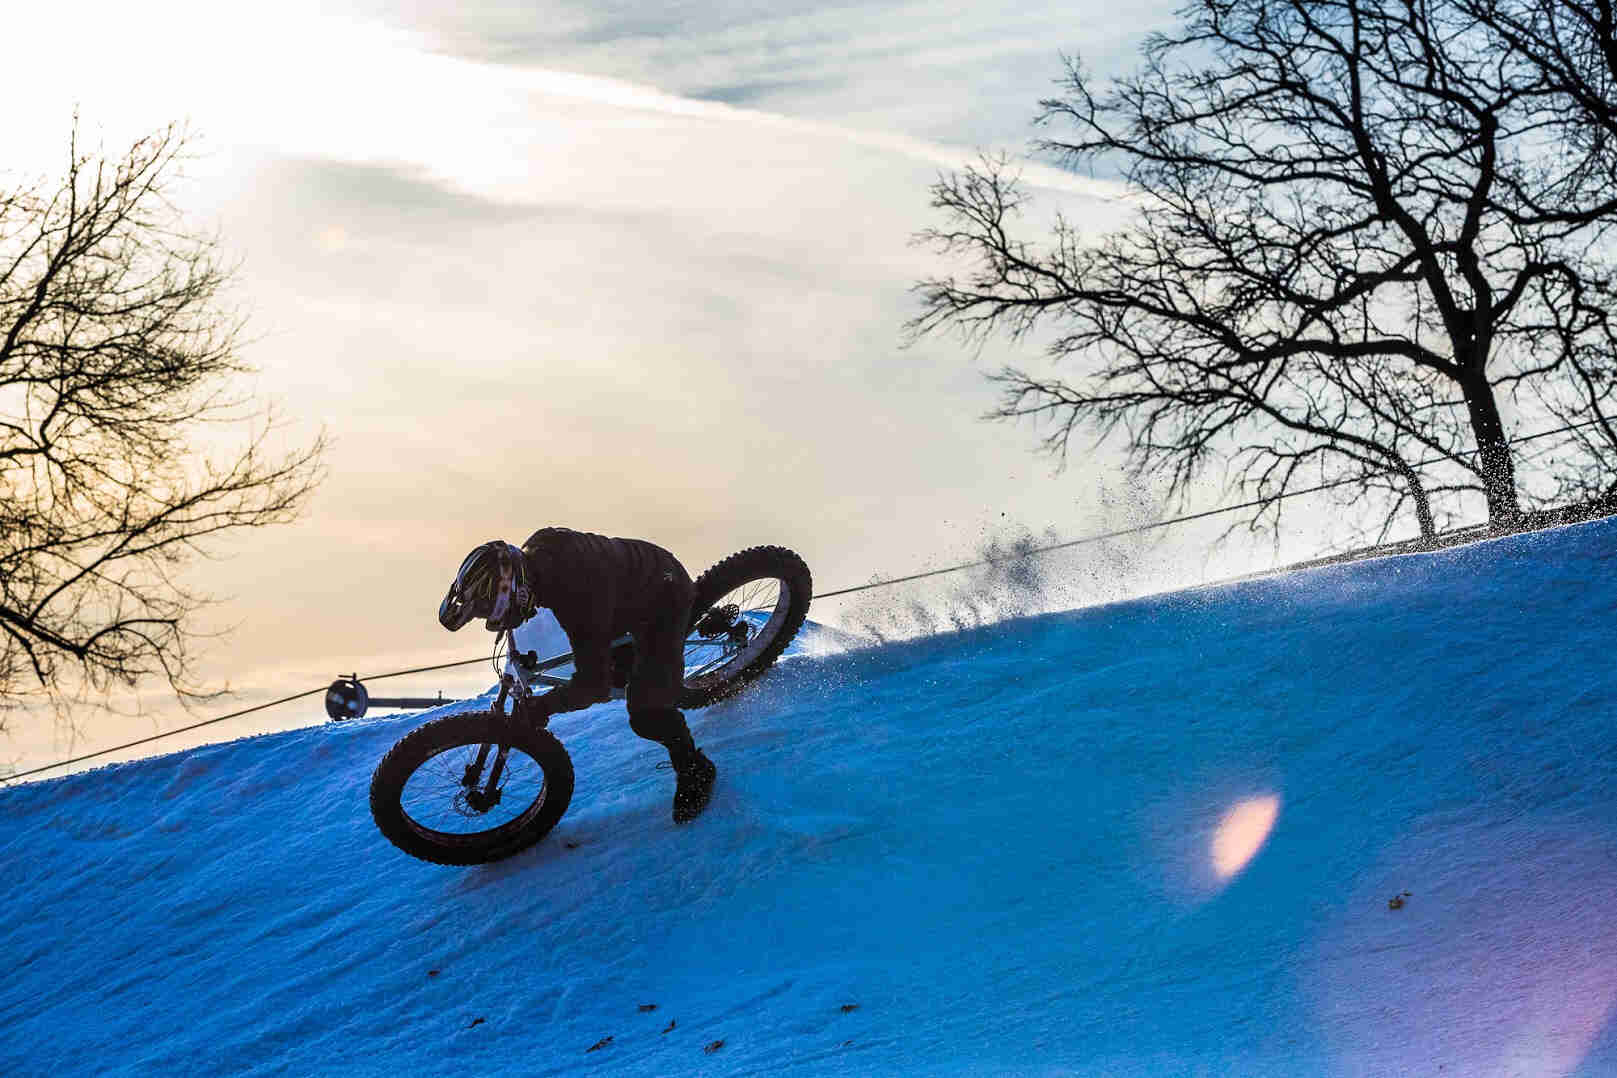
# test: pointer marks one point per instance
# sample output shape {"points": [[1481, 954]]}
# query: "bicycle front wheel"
{"points": [[465, 789]]}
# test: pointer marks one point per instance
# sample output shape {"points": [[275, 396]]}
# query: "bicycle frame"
{"points": [[536, 672]]}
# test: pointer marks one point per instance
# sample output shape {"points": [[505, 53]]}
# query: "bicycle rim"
{"points": [[440, 806]]}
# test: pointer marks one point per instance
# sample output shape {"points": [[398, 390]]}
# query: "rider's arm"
{"points": [[581, 590], [591, 682]]}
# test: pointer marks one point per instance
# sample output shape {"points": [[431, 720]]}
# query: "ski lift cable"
{"points": [[1013, 556], [163, 734], [1137, 529]]}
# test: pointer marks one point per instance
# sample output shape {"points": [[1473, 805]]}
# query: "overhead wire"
{"points": [[1014, 555], [166, 733], [1139, 528]]}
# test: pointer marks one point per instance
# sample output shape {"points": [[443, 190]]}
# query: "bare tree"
{"points": [[116, 355], [1349, 266], [1570, 48]]}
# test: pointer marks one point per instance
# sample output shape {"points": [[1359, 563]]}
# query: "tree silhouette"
{"points": [[1349, 261], [1570, 48], [116, 356]]}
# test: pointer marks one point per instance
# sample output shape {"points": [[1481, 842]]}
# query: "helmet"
{"points": [[492, 583]]}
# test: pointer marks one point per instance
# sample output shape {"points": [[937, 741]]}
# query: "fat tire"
{"points": [[739, 569], [469, 728]]}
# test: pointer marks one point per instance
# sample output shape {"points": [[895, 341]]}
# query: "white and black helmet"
{"points": [[493, 584]]}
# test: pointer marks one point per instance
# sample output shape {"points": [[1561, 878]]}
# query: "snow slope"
{"points": [[1159, 837]]}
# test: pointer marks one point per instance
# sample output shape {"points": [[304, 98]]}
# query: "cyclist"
{"points": [[599, 589]]}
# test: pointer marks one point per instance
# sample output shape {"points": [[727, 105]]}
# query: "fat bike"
{"points": [[480, 786]]}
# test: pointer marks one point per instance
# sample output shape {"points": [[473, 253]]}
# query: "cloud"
{"points": [[889, 77], [402, 194], [959, 71], [360, 91], [622, 95]]}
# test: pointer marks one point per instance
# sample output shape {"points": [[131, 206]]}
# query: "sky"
{"points": [[641, 272]]}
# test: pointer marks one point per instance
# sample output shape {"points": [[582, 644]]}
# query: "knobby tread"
{"points": [[739, 569], [451, 731]]}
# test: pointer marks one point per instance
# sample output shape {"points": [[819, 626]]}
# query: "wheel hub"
{"points": [[720, 621]]}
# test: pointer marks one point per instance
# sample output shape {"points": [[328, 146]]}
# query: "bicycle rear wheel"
{"points": [[747, 609]]}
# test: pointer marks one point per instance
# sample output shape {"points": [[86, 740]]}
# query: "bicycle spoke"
{"points": [[436, 795], [756, 603], [708, 666]]}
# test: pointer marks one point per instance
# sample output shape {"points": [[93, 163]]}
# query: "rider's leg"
{"points": [[654, 686], [666, 726], [659, 673]]}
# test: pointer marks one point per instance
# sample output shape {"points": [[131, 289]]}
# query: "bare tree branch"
{"points": [[116, 351], [1358, 250]]}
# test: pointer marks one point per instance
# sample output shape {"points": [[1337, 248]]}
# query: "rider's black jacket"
{"points": [[599, 589]]}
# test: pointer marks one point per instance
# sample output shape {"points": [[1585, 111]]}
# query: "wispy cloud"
{"points": [[623, 95], [957, 71], [306, 83]]}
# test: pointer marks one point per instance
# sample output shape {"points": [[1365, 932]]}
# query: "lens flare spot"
{"points": [[1242, 832]]}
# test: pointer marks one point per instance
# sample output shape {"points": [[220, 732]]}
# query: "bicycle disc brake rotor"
{"points": [[448, 793], [735, 628]]}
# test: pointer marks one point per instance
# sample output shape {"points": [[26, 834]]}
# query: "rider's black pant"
{"points": [[659, 671]]}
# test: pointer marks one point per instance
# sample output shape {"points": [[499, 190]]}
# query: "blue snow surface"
{"points": [[1360, 820]]}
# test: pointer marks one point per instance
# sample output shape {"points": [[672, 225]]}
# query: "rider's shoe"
{"points": [[696, 774]]}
